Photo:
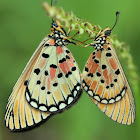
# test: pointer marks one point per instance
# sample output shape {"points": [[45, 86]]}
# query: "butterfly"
{"points": [[105, 82], [49, 84]]}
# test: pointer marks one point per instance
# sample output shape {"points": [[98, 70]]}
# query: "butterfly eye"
{"points": [[55, 24], [107, 32]]}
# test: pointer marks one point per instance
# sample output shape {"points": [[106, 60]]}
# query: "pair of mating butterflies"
{"points": [[51, 82]]}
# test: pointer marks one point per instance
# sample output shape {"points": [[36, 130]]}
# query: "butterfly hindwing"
{"points": [[19, 114], [122, 111], [54, 83]]}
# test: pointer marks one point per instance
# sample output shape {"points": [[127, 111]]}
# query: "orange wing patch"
{"points": [[45, 86], [103, 68]]}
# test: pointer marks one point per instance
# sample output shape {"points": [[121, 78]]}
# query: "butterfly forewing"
{"points": [[19, 114], [106, 84], [103, 79], [54, 83]]}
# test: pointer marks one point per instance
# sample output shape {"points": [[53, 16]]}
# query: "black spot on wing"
{"points": [[107, 87], [103, 67], [45, 55], [42, 88], [59, 75], [62, 60], [37, 71], [53, 66], [67, 74], [93, 57], [86, 69], [46, 73], [96, 61], [38, 82], [108, 54], [46, 45], [73, 68], [67, 51], [48, 92], [98, 74], [67, 57], [102, 81], [55, 84], [109, 48], [117, 72], [111, 85], [26, 82], [90, 75]]}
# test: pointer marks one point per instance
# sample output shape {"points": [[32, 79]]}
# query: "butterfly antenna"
{"points": [[117, 17], [54, 2], [51, 2], [52, 20]]}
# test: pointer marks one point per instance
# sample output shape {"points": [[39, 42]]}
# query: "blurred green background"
{"points": [[23, 24]]}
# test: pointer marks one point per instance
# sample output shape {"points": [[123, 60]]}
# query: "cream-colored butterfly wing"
{"points": [[55, 82], [19, 114], [105, 82]]}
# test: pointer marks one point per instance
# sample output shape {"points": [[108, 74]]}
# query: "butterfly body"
{"points": [[105, 81]]}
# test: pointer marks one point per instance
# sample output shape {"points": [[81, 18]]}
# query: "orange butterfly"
{"points": [[50, 83], [105, 81]]}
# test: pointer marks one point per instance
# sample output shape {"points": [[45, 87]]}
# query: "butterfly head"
{"points": [[106, 32], [59, 34], [56, 26]]}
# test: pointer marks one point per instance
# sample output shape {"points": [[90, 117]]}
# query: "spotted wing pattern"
{"points": [[19, 114], [102, 78], [54, 83], [106, 84]]}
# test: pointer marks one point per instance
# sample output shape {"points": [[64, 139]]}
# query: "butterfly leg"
{"points": [[90, 44], [68, 31]]}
